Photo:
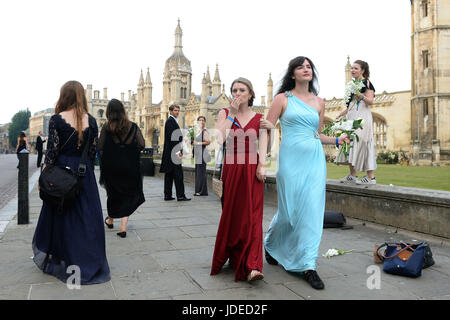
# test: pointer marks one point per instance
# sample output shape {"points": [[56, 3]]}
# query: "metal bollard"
{"points": [[23, 203]]}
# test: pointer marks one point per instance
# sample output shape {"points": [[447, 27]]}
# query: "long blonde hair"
{"points": [[72, 96]]}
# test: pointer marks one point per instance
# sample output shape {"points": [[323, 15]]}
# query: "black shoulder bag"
{"points": [[59, 187]]}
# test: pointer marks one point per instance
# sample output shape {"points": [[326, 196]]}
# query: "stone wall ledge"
{"points": [[418, 210], [392, 193]]}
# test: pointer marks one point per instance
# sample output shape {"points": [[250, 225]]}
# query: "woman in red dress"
{"points": [[240, 237]]}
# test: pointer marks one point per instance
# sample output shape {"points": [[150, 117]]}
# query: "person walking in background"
{"points": [[39, 146], [171, 157], [202, 157], [295, 231], [75, 236], [22, 143], [362, 156], [239, 235], [119, 147]]}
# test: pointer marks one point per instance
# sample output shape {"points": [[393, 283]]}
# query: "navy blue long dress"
{"points": [[76, 237]]}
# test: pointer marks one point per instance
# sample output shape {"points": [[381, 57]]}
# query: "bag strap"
{"points": [[83, 161], [407, 246]]}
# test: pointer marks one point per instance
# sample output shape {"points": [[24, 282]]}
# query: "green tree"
{"points": [[19, 122]]}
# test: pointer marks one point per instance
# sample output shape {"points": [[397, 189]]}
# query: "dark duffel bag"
{"points": [[334, 219]]}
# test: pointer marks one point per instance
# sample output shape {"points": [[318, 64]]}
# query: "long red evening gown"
{"points": [[240, 237]]}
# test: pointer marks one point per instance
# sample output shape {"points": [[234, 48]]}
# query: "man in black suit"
{"points": [[39, 145], [171, 157]]}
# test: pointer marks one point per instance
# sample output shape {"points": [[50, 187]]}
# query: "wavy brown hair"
{"points": [[118, 123], [72, 96], [364, 66]]}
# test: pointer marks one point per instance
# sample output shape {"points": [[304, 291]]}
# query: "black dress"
{"points": [[120, 170], [76, 237], [201, 185]]}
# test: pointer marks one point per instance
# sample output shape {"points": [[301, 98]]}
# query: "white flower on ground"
{"points": [[335, 252]]}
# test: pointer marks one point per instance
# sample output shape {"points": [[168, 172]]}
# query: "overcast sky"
{"points": [[106, 43]]}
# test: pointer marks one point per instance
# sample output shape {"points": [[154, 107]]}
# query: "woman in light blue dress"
{"points": [[295, 232]]}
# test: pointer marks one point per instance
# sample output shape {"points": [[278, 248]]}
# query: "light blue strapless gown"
{"points": [[295, 232]]}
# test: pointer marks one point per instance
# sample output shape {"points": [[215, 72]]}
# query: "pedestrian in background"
{"points": [[22, 143], [202, 157], [39, 147], [119, 146], [171, 157]]}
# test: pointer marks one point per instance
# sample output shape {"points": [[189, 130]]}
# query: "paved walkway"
{"points": [[168, 250]]}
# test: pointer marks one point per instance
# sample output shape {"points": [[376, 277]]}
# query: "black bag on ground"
{"points": [[59, 187], [334, 219]]}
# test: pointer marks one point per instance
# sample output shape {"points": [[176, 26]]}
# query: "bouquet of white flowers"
{"points": [[347, 127], [353, 87]]}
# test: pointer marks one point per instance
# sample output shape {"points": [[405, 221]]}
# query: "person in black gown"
{"points": [[22, 143], [119, 146], [74, 237], [39, 146]]}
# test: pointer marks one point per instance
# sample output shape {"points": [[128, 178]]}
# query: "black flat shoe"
{"points": [[169, 198], [122, 234], [110, 226], [184, 199], [313, 278], [270, 259]]}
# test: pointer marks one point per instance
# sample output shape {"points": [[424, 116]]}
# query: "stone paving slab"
{"points": [[168, 251]]}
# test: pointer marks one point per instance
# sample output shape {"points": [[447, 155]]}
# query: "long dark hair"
{"points": [[287, 83], [117, 118], [72, 96], [22, 137]]}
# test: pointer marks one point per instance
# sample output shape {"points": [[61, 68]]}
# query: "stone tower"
{"points": [[177, 82], [348, 71], [216, 84], [430, 82]]}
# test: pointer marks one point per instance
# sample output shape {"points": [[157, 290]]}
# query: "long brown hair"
{"points": [[364, 66], [118, 123], [72, 96]]}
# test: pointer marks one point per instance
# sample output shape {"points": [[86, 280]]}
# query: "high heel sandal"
{"points": [[122, 234], [110, 226]]}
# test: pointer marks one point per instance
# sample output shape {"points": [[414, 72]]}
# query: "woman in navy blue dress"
{"points": [[75, 239]]}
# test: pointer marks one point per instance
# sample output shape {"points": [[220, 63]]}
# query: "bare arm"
{"points": [[343, 113], [367, 97], [276, 110]]}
